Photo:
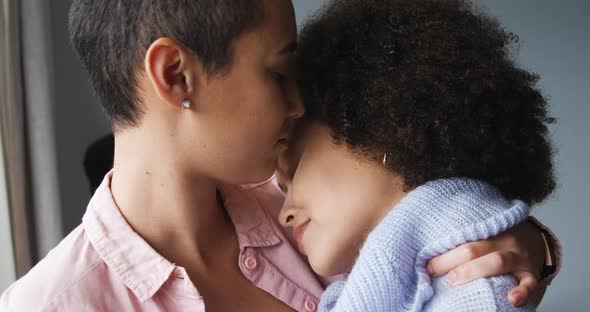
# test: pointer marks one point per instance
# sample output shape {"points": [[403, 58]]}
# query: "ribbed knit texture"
{"points": [[390, 273]]}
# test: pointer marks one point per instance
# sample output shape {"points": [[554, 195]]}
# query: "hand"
{"points": [[520, 251]]}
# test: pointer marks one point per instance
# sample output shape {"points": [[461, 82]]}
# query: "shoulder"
{"points": [[485, 294], [65, 268]]}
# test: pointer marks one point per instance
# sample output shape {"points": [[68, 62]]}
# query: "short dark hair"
{"points": [[112, 36], [433, 85]]}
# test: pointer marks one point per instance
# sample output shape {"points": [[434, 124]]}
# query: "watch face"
{"points": [[550, 264], [548, 270]]}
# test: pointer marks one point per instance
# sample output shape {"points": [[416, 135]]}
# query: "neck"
{"points": [[381, 188], [172, 209]]}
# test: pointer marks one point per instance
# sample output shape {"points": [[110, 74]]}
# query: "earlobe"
{"points": [[167, 68]]}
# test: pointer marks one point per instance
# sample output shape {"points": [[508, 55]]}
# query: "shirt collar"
{"points": [[243, 204], [138, 265]]}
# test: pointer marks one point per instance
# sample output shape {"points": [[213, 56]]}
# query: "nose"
{"points": [[296, 107], [288, 215]]}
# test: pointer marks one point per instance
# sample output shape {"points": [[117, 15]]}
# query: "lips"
{"points": [[285, 132], [298, 232]]}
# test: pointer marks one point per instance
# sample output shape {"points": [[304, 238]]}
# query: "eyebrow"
{"points": [[290, 48]]}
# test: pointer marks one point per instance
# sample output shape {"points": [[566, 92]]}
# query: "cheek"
{"points": [[263, 112], [337, 231], [256, 115], [251, 98], [333, 247], [240, 148]]}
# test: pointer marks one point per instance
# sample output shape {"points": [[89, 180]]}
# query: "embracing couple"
{"points": [[384, 160]]}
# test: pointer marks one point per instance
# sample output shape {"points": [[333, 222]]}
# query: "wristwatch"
{"points": [[550, 265], [552, 252]]}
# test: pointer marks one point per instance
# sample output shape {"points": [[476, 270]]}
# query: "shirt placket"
{"points": [[188, 298], [252, 264]]}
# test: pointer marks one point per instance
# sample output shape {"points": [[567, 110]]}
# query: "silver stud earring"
{"points": [[186, 104], [385, 158]]}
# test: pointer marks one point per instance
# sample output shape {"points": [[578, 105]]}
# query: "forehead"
{"points": [[320, 152], [288, 160], [316, 147]]}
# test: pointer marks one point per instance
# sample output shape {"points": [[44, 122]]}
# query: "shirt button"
{"points": [[250, 263], [309, 305]]}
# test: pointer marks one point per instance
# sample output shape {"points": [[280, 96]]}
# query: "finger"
{"points": [[527, 285], [492, 264], [446, 262]]}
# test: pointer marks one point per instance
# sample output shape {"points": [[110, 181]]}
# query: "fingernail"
{"points": [[452, 277], [517, 300], [429, 269]]}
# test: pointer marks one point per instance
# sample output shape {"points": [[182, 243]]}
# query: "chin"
{"points": [[328, 268], [263, 174]]}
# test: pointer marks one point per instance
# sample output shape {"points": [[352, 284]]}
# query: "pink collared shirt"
{"points": [[103, 265]]}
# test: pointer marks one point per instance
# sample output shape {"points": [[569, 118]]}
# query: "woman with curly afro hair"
{"points": [[422, 134]]}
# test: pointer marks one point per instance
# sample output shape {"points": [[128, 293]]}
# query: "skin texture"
{"points": [[260, 107], [315, 172], [167, 169], [436, 86], [337, 223]]}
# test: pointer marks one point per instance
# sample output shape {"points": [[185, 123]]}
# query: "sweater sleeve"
{"points": [[390, 272], [370, 286], [482, 295], [370, 289]]}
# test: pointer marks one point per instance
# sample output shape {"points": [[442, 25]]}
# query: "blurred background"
{"points": [[49, 117]]}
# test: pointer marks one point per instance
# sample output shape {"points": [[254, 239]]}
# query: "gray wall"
{"points": [[7, 268], [554, 42], [78, 119]]}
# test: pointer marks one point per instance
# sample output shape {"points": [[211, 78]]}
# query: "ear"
{"points": [[172, 71]]}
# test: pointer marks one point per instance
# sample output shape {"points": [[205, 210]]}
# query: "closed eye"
{"points": [[283, 188], [279, 77]]}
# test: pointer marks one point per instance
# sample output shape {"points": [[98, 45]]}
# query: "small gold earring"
{"points": [[385, 158]]}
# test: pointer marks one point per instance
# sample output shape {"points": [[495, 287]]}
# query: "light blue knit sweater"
{"points": [[390, 273]]}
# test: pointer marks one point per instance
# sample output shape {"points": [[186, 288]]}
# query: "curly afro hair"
{"points": [[432, 84]]}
